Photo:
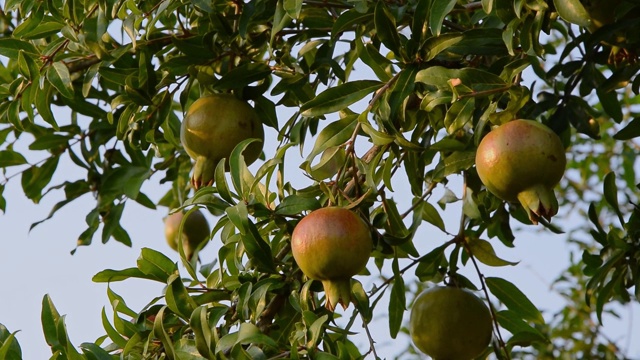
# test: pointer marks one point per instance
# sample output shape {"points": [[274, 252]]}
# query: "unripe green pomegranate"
{"points": [[194, 232], [449, 323], [523, 161], [332, 244], [212, 128]]}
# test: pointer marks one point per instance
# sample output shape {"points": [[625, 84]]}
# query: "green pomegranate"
{"points": [[212, 128], [194, 232], [449, 323], [523, 161], [332, 244]]}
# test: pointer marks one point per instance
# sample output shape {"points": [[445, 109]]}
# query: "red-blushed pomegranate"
{"points": [[194, 232], [523, 161], [212, 128], [449, 323], [332, 244]]}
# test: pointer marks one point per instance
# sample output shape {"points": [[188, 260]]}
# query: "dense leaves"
{"points": [[378, 98]]}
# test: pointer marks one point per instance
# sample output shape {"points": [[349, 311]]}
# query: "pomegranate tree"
{"points": [[523, 161], [332, 244], [447, 322], [212, 128], [194, 232]]}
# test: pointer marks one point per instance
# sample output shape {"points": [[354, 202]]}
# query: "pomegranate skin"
{"points": [[523, 161], [213, 126], [332, 244], [195, 231]]}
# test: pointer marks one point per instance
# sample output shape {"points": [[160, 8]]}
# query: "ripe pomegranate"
{"points": [[194, 232], [212, 128], [523, 160], [449, 323], [331, 245]]}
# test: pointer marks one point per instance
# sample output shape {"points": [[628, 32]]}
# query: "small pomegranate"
{"points": [[523, 161], [212, 128], [194, 232], [332, 244], [449, 323]]}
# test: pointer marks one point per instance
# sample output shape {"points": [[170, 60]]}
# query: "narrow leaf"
{"points": [[339, 97], [514, 299], [483, 251]]}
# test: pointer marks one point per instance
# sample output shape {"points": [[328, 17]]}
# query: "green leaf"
{"points": [[9, 346], [403, 87], [361, 300], [95, 352], [49, 318], [437, 44], [160, 333], [397, 302], [243, 75], [339, 97], [483, 251], [573, 12], [419, 19], [335, 134], [11, 48], [386, 29], [109, 275], [240, 174], [293, 8], [178, 299], [630, 131], [514, 299], [43, 104], [280, 20], [11, 158], [475, 79], [430, 263], [296, 204], [611, 194], [455, 163], [112, 333], [525, 339], [439, 10], [31, 23], [156, 264], [59, 76], [205, 342], [431, 215], [611, 104], [35, 178], [459, 114], [49, 141], [348, 20], [256, 247]]}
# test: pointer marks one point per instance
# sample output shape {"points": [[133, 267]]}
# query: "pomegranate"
{"points": [[523, 160], [194, 232], [450, 323], [212, 128], [332, 244]]}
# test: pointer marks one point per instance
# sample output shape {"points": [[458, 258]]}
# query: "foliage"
{"points": [[105, 84]]}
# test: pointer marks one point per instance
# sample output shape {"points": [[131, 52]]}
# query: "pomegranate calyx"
{"points": [[203, 172], [539, 202], [337, 292]]}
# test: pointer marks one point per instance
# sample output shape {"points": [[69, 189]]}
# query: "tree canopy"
{"points": [[366, 99]]}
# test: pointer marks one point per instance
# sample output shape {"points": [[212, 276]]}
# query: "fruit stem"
{"points": [[337, 292], [539, 201]]}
